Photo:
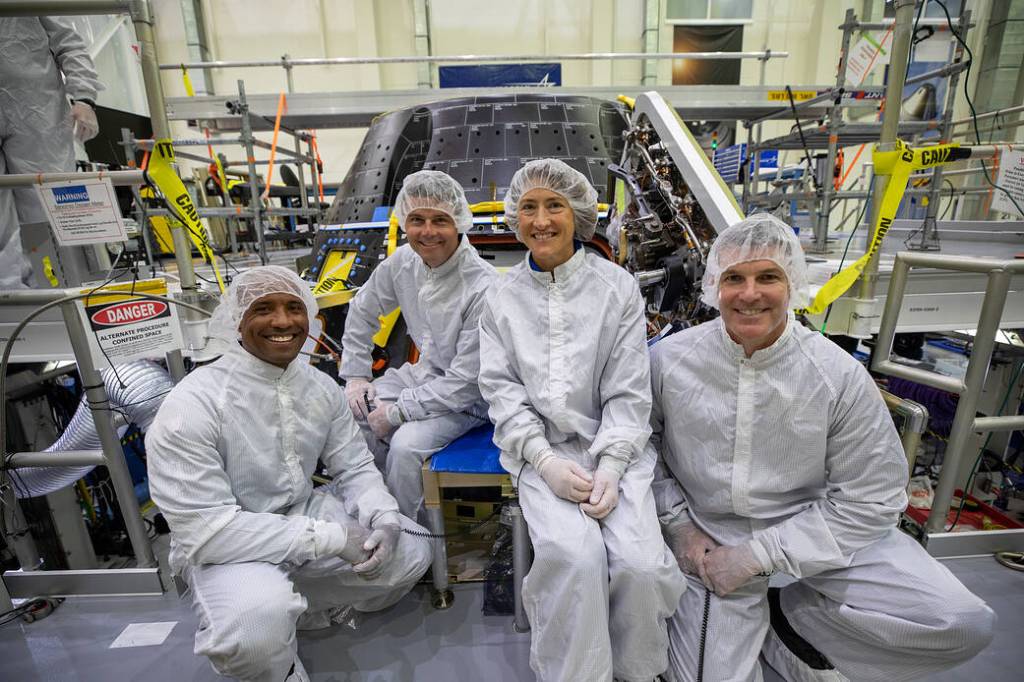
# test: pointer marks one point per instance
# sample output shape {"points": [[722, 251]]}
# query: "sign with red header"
{"points": [[122, 313], [124, 326]]}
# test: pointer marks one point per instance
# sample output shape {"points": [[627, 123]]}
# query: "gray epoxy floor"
{"points": [[410, 641]]}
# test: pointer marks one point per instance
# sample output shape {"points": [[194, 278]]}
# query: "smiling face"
{"points": [[431, 234], [753, 298], [546, 226], [274, 328]]}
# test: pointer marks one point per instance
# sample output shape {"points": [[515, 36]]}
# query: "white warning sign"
{"points": [[82, 212], [1010, 178], [123, 327]]}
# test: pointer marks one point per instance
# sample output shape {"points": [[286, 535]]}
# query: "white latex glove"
{"points": [[605, 495], [379, 422], [381, 546], [730, 567], [691, 545], [359, 393], [83, 121], [354, 551], [566, 478]]}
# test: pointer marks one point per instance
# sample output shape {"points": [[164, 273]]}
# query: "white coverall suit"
{"points": [[438, 395], [794, 449], [230, 457], [563, 364], [35, 119]]}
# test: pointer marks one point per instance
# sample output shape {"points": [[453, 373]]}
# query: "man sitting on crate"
{"points": [[231, 453], [439, 282]]}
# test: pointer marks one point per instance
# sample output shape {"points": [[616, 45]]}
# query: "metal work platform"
{"points": [[357, 109], [848, 134], [936, 300]]}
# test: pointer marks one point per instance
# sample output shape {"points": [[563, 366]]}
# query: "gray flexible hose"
{"points": [[145, 385]]}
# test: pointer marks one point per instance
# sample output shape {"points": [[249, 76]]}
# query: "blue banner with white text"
{"points": [[499, 75]]}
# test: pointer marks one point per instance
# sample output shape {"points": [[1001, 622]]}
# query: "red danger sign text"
{"points": [[127, 313]]}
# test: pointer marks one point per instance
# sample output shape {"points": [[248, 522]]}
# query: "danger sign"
{"points": [[122, 313], [124, 327]]}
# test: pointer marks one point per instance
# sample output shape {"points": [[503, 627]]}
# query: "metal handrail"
{"points": [[117, 178], [969, 389], [915, 423], [287, 62]]}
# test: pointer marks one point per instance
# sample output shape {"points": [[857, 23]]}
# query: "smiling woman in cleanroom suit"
{"points": [[563, 365]]}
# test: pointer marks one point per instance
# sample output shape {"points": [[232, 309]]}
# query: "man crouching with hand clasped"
{"points": [[231, 453]]}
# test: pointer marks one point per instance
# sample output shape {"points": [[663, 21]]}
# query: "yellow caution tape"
{"points": [[334, 278], [898, 165], [189, 90], [48, 271], [174, 191], [392, 233]]}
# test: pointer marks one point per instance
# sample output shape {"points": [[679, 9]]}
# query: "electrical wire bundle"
{"points": [[970, 105]]}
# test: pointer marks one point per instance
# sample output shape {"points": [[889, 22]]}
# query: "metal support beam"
{"points": [[175, 365], [929, 240], [66, 512], [197, 42], [111, 444], [421, 26], [835, 121], [97, 582], [521, 560], [480, 59], [65, 458], [64, 7], [300, 171], [990, 114], [899, 57], [142, 19], [651, 36], [824, 97], [117, 178], [965, 422], [254, 188]]}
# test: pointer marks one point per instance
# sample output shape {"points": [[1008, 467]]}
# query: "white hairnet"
{"points": [[561, 178], [757, 237], [251, 285], [436, 190]]}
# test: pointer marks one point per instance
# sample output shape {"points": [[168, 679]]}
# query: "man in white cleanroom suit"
{"points": [[230, 457], [439, 280], [40, 113], [564, 367], [778, 455]]}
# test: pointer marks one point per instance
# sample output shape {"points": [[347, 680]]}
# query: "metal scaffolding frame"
{"points": [[245, 138], [30, 582], [834, 132], [965, 422]]}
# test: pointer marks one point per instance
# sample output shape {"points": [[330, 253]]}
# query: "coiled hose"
{"points": [[145, 383]]}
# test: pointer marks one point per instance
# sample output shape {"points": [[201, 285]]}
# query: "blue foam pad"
{"points": [[472, 453]]}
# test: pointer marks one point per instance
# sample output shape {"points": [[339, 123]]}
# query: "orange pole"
{"points": [[273, 144]]}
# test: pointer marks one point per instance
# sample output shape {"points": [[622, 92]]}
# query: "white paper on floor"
{"points": [[143, 634]]}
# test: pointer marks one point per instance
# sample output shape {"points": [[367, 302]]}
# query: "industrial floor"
{"points": [[410, 641]]}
